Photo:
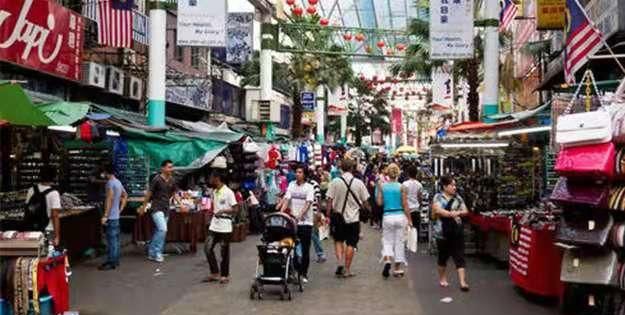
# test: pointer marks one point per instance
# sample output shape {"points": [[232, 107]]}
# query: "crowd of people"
{"points": [[341, 198]]}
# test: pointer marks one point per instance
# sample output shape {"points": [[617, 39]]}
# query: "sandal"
{"points": [[398, 273], [224, 280], [210, 279], [443, 284], [349, 275], [465, 289]]}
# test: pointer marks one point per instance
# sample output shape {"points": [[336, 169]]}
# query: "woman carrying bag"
{"points": [[391, 196], [449, 209]]}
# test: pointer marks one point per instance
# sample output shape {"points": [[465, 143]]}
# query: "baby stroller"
{"points": [[276, 257]]}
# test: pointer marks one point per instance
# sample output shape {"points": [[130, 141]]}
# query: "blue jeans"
{"points": [[160, 233], [317, 243], [112, 242]]}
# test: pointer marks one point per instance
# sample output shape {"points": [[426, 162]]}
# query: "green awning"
{"points": [[18, 109], [64, 113]]}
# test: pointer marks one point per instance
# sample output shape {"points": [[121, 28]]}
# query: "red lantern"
{"points": [[290, 2], [381, 44], [400, 47], [347, 36], [324, 22], [313, 2], [362, 77], [311, 10], [360, 37], [298, 11]]}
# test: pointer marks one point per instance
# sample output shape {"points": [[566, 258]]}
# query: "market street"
{"points": [[137, 288]]}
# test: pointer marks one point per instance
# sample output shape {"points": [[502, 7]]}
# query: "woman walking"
{"points": [[448, 209], [392, 197]]}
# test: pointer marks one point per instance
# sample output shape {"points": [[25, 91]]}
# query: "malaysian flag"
{"points": [[582, 40], [507, 15], [115, 21]]}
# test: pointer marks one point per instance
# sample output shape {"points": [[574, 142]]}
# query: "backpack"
{"points": [[36, 215]]}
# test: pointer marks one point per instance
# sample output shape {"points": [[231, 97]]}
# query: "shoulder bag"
{"points": [[596, 161], [572, 193], [585, 227], [337, 219], [590, 267], [451, 228]]}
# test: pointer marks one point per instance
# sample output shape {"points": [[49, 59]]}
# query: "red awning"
{"points": [[479, 126]]}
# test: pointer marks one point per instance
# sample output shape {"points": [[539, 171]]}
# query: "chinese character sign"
{"points": [[41, 35], [451, 29], [550, 14], [442, 86]]}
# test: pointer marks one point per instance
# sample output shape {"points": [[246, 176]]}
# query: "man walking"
{"points": [[346, 196], [162, 189], [220, 230], [298, 199], [114, 204]]}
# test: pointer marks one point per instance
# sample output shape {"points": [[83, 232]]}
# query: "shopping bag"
{"points": [[412, 240]]}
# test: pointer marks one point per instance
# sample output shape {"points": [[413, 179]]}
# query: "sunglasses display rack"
{"points": [[29, 167], [80, 164], [12, 205], [551, 178], [133, 171]]}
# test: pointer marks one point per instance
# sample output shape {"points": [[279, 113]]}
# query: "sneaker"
{"points": [[340, 271], [387, 270], [322, 259], [106, 266], [304, 280], [158, 259]]}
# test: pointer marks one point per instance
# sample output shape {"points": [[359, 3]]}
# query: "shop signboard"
{"points": [[308, 101], [451, 29], [442, 86], [239, 37], [201, 23], [42, 35], [550, 14]]}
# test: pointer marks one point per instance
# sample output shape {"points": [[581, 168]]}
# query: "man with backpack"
{"points": [[346, 195], [43, 207]]}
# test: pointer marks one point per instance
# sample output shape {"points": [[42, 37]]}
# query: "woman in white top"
{"points": [[414, 192]]}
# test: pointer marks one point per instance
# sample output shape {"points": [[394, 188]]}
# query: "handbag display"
{"points": [[588, 267], [584, 129], [585, 227], [579, 299], [616, 200], [595, 161], [617, 235], [580, 193], [618, 123]]}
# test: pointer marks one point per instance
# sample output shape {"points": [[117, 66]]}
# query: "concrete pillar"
{"points": [[491, 62], [157, 67]]}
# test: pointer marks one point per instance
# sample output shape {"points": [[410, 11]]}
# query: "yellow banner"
{"points": [[550, 14]]}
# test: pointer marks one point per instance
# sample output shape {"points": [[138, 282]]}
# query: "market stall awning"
{"points": [[64, 113], [18, 109], [406, 149], [523, 115], [476, 126]]}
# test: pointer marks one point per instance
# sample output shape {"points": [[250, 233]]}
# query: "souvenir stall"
{"points": [[590, 135]]}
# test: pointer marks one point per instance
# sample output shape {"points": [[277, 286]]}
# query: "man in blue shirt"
{"points": [[114, 204]]}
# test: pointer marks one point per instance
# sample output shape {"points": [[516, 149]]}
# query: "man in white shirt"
{"points": [[220, 230], [346, 196], [298, 199], [47, 175], [414, 192]]}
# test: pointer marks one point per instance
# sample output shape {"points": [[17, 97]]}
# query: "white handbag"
{"points": [[584, 128], [249, 146]]}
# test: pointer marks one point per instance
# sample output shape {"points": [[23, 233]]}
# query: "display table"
{"points": [[181, 228], [80, 230], [494, 235], [535, 261]]}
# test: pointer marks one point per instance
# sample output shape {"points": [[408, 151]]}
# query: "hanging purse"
{"points": [[616, 200], [595, 161], [617, 235], [591, 127], [581, 299], [585, 227], [590, 267], [579, 193]]}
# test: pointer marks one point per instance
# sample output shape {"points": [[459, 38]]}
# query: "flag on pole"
{"points": [[507, 15], [582, 40], [114, 23]]}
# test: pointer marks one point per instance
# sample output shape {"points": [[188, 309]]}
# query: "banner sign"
{"points": [[396, 124], [550, 14], [451, 29], [42, 35], [308, 101], [239, 37], [195, 93], [201, 23], [442, 86]]}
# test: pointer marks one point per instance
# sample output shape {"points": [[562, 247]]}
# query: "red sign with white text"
{"points": [[42, 35]]}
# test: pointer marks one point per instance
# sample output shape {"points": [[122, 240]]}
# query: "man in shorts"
{"points": [[346, 196]]}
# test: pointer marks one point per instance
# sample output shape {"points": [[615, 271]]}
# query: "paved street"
{"points": [[140, 287]]}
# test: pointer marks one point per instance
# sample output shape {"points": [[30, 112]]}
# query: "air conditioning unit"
{"points": [[94, 74], [115, 80], [264, 110], [134, 88]]}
